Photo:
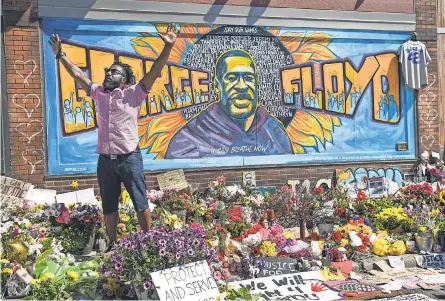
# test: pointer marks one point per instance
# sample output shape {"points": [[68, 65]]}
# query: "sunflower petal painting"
{"points": [[237, 95]]}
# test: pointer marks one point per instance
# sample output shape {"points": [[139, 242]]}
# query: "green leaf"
{"points": [[44, 255]]}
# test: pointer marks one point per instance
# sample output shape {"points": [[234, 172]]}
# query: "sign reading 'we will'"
{"points": [[298, 286]]}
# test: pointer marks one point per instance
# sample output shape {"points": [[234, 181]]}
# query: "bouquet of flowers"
{"points": [[393, 218], [138, 255]]}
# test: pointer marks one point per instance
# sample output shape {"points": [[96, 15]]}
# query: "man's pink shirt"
{"points": [[117, 117]]}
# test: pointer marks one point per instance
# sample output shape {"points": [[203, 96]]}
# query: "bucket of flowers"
{"points": [[79, 225]]}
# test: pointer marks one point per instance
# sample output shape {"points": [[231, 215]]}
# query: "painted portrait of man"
{"points": [[235, 125]]}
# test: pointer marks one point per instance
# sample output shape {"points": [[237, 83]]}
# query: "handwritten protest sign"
{"points": [[174, 179], [41, 196], [84, 196], [278, 266], [431, 261], [192, 281], [12, 191], [297, 286]]}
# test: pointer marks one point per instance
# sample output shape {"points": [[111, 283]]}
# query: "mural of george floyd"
{"points": [[236, 96]]}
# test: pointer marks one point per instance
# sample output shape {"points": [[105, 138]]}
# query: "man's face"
{"points": [[238, 87], [115, 77]]}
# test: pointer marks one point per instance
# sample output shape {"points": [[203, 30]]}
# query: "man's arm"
{"points": [[169, 39], [72, 69]]}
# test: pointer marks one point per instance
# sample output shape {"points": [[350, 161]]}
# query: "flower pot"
{"points": [[89, 244], [325, 229], [399, 229], [213, 242], [424, 242]]}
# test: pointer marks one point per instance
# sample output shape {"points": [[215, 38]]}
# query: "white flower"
{"points": [[355, 240], [4, 227], [299, 246], [252, 240]]}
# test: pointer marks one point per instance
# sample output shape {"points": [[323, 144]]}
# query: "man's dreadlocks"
{"points": [[128, 72]]}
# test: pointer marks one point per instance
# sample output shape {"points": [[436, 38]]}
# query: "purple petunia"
{"points": [[147, 285], [118, 279], [162, 252], [191, 253]]}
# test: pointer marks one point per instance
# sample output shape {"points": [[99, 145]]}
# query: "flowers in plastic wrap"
{"points": [[252, 240]]}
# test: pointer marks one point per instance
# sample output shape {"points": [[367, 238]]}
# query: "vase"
{"points": [[88, 244], [102, 244], [424, 242], [181, 214], [441, 239], [325, 229]]}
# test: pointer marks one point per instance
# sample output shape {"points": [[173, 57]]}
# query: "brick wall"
{"points": [[24, 82], [26, 107]]}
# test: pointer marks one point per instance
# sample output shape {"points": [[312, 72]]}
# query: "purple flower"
{"points": [[196, 242], [162, 252], [162, 242], [118, 266], [191, 253], [147, 285], [118, 279], [178, 255]]}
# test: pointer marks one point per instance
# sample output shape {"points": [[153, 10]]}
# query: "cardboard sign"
{"points": [[278, 266], [12, 191], [192, 281], [431, 261], [381, 264], [298, 286], [84, 196], [41, 196], [396, 261], [174, 179]]}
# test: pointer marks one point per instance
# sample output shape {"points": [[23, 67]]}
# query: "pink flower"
{"points": [[276, 229], [280, 241], [217, 275], [264, 234]]}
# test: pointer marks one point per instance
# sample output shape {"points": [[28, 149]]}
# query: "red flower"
{"points": [[361, 196], [256, 252], [365, 239], [221, 255], [319, 189], [337, 236], [340, 212], [361, 249], [314, 236]]}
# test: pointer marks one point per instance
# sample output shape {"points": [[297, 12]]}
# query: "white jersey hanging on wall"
{"points": [[414, 58]]}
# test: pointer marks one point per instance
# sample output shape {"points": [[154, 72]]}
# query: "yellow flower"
{"points": [[435, 212], [74, 184], [125, 197], [35, 281], [422, 229], [344, 242], [288, 235], [73, 275], [7, 271], [398, 248], [124, 217], [380, 247], [46, 277], [268, 249]]}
